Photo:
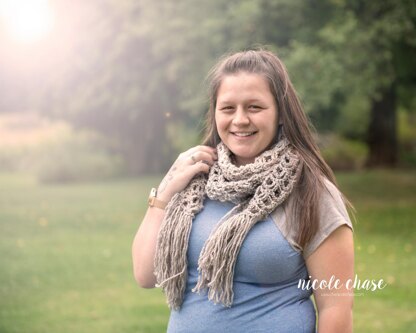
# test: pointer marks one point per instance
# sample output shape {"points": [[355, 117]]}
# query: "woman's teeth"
{"points": [[243, 133]]}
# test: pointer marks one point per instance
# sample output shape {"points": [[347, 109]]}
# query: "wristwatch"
{"points": [[154, 201]]}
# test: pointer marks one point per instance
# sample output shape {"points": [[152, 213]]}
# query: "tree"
{"points": [[349, 54], [392, 30], [375, 41]]}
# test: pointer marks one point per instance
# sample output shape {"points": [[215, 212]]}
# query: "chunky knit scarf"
{"points": [[256, 189]]}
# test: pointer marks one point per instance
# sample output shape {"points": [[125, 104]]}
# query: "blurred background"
{"points": [[98, 97]]}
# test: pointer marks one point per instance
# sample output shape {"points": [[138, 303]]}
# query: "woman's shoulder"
{"points": [[332, 206], [332, 214]]}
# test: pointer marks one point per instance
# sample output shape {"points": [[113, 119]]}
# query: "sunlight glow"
{"points": [[26, 21]]}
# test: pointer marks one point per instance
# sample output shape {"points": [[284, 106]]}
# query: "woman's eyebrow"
{"points": [[251, 100], [255, 100], [224, 102]]}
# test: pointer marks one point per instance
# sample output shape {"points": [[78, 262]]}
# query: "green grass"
{"points": [[66, 262], [384, 248]]}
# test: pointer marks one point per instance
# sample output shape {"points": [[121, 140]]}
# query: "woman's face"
{"points": [[245, 115]]}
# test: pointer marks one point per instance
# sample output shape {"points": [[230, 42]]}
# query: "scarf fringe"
{"points": [[170, 260], [219, 256]]}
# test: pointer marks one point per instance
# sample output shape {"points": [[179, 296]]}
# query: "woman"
{"points": [[239, 222]]}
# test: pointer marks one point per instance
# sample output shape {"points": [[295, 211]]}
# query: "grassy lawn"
{"points": [[66, 262]]}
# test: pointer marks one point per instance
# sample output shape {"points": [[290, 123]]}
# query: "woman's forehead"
{"points": [[243, 85]]}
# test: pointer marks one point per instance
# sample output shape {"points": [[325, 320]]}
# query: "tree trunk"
{"points": [[382, 130]]}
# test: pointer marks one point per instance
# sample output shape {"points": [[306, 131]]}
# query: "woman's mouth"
{"points": [[243, 134]]}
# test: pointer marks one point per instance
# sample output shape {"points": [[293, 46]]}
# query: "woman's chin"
{"points": [[243, 158]]}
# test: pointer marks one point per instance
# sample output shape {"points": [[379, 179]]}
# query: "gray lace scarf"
{"points": [[256, 189]]}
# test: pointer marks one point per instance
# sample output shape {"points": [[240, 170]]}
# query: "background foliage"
{"points": [[134, 70]]}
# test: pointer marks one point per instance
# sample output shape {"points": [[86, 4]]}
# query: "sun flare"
{"points": [[26, 21]]}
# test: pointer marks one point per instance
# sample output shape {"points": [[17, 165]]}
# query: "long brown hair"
{"points": [[304, 212]]}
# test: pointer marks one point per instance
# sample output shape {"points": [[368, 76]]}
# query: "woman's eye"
{"points": [[255, 107], [227, 108]]}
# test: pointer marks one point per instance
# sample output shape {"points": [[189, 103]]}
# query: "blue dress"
{"points": [[266, 276]]}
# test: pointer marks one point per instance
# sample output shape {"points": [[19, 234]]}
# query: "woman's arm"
{"points": [[188, 164], [334, 257], [144, 247]]}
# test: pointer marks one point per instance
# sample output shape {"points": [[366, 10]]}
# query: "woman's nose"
{"points": [[241, 118]]}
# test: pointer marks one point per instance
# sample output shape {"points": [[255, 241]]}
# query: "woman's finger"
{"points": [[198, 167], [198, 156]]}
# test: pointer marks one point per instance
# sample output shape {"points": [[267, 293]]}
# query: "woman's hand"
{"points": [[187, 165]]}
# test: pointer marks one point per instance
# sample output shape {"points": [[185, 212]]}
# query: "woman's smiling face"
{"points": [[246, 115]]}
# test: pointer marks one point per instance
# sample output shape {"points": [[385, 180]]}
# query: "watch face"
{"points": [[153, 192]]}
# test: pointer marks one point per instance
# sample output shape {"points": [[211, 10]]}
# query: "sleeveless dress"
{"points": [[266, 277]]}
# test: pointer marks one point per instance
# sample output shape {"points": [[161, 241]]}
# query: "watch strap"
{"points": [[154, 201]]}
